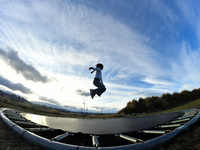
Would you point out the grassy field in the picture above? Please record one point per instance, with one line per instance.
(191, 105)
(188, 141)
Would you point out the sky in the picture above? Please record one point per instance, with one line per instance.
(147, 47)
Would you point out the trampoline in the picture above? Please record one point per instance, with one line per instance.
(102, 126)
(139, 133)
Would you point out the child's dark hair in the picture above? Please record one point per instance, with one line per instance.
(99, 65)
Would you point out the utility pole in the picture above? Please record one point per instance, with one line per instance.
(84, 101)
(97, 109)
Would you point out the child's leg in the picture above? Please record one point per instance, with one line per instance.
(101, 88)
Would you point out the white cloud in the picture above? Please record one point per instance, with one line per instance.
(146, 93)
(156, 80)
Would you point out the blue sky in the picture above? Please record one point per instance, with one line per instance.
(148, 48)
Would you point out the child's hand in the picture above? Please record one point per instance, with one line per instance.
(90, 68)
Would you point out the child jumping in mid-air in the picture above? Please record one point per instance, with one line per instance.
(98, 82)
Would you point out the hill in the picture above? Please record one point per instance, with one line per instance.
(14, 97)
(154, 103)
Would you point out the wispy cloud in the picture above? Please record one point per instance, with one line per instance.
(15, 86)
(147, 93)
(88, 37)
(82, 92)
(49, 100)
(156, 80)
(12, 58)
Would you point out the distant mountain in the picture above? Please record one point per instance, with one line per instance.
(62, 108)
(47, 105)
(73, 109)
(14, 97)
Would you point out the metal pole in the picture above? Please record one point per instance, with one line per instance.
(169, 126)
(153, 131)
(60, 137)
(183, 120)
(132, 139)
(95, 141)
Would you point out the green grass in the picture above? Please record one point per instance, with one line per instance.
(191, 105)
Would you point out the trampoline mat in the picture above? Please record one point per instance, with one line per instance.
(102, 126)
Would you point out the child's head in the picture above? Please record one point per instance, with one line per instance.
(100, 66)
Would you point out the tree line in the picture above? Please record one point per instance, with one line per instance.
(154, 103)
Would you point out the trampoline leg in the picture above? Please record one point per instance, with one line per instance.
(95, 141)
(132, 139)
(60, 137)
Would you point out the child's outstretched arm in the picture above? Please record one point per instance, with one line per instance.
(92, 69)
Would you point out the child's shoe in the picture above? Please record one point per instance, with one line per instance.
(92, 93)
